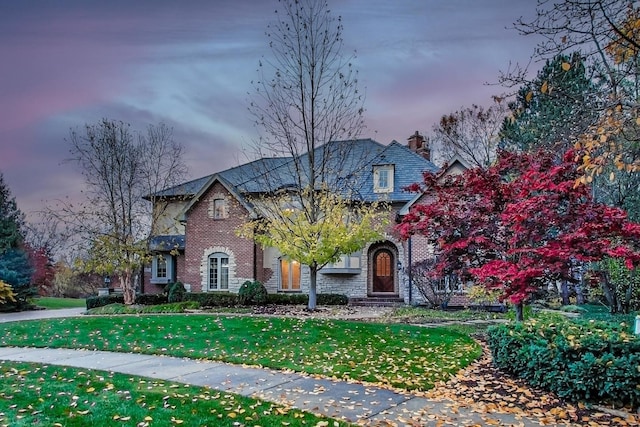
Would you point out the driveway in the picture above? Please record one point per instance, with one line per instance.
(41, 314)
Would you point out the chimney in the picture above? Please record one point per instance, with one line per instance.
(419, 145)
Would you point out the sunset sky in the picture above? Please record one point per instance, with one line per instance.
(190, 63)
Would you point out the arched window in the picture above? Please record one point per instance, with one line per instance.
(289, 275)
(218, 271)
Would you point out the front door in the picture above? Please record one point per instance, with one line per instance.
(383, 271)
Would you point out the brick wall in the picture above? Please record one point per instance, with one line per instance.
(205, 235)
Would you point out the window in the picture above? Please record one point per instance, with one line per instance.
(383, 179)
(383, 264)
(347, 264)
(218, 272)
(289, 275)
(218, 207)
(162, 268)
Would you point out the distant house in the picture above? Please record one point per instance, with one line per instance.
(194, 239)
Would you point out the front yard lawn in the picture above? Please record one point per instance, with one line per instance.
(403, 356)
(53, 303)
(39, 395)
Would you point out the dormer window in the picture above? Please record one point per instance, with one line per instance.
(383, 179)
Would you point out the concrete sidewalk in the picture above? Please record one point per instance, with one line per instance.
(357, 403)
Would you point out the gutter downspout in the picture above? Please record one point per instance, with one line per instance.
(410, 272)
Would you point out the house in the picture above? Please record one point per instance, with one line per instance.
(194, 238)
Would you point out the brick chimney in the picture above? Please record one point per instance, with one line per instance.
(419, 145)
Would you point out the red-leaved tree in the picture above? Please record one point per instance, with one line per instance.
(518, 225)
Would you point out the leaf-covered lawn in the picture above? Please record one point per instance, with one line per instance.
(404, 356)
(38, 395)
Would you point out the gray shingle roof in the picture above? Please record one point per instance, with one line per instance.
(354, 161)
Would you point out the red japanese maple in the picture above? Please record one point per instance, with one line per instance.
(518, 224)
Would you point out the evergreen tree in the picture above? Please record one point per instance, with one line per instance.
(11, 219)
(16, 270)
(551, 111)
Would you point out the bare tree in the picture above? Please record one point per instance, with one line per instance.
(120, 167)
(309, 111)
(472, 133)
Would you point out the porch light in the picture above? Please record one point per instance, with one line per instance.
(638, 325)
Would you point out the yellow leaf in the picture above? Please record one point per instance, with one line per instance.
(148, 418)
(566, 66)
(638, 120)
(529, 97)
(612, 176)
(544, 87)
(231, 414)
(91, 390)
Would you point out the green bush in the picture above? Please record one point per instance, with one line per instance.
(176, 292)
(102, 300)
(213, 299)
(252, 293)
(578, 360)
(151, 299)
(297, 299)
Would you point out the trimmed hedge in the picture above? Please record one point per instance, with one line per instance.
(102, 300)
(577, 360)
(213, 299)
(295, 299)
(217, 299)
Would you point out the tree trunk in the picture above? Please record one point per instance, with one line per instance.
(127, 288)
(609, 293)
(565, 292)
(313, 274)
(580, 300)
(519, 312)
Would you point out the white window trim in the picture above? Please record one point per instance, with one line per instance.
(376, 178)
(168, 258)
(218, 285)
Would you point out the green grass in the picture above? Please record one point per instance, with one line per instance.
(39, 395)
(404, 356)
(601, 312)
(57, 303)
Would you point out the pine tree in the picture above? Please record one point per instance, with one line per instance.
(11, 219)
(551, 111)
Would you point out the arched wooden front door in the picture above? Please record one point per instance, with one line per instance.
(383, 271)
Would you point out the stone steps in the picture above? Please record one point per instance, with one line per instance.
(376, 302)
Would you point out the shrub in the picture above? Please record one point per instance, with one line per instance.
(102, 300)
(286, 299)
(151, 299)
(332, 299)
(578, 360)
(213, 299)
(6, 293)
(252, 293)
(295, 299)
(176, 292)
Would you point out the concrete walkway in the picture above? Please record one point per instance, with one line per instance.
(357, 403)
